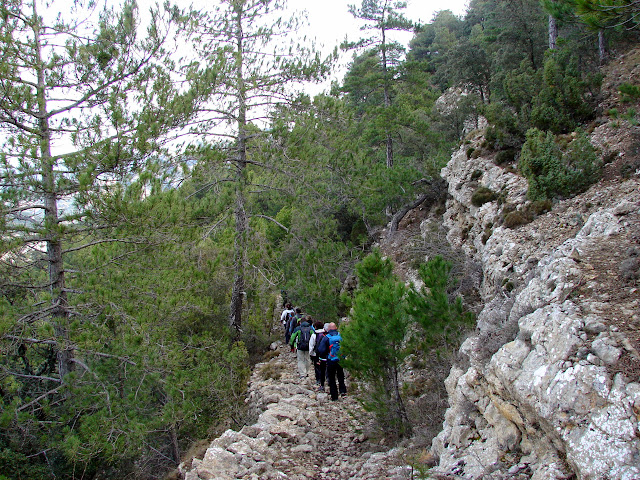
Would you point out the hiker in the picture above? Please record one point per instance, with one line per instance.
(318, 350)
(292, 323)
(333, 363)
(300, 341)
(284, 318)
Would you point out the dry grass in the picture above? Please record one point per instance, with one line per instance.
(270, 355)
(272, 371)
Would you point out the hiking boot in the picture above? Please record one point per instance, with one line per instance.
(344, 394)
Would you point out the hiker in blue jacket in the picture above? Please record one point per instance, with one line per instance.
(300, 339)
(334, 369)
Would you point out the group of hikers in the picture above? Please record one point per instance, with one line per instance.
(317, 344)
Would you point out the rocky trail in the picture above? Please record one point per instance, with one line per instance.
(299, 434)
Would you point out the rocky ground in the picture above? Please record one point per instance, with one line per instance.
(299, 434)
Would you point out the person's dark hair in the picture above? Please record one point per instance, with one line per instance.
(318, 326)
(298, 310)
(288, 305)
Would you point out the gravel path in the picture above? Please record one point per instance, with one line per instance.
(298, 434)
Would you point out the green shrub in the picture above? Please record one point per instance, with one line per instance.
(359, 234)
(555, 172)
(631, 116)
(482, 195)
(629, 92)
(373, 342)
(506, 130)
(442, 319)
(476, 174)
(567, 96)
(505, 156)
(557, 97)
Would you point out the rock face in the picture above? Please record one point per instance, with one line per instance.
(299, 434)
(551, 389)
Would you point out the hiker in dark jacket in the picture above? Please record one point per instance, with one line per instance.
(300, 339)
(318, 350)
(334, 369)
(292, 324)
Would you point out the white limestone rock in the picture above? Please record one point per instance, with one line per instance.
(538, 393)
(218, 464)
(605, 348)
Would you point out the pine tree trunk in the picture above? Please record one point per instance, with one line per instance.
(387, 99)
(401, 411)
(240, 160)
(553, 33)
(175, 446)
(59, 301)
(602, 47)
(237, 292)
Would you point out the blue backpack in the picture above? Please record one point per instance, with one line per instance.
(334, 347)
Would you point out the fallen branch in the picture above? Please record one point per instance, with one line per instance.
(436, 191)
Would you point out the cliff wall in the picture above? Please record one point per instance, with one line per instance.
(551, 386)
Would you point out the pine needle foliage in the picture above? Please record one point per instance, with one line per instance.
(553, 171)
(374, 342)
(385, 315)
(440, 317)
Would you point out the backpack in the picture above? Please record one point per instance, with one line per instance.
(303, 339)
(334, 347)
(322, 345)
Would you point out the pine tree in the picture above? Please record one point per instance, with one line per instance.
(382, 17)
(440, 317)
(86, 106)
(374, 342)
(255, 72)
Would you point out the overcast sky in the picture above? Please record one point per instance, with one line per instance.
(330, 21)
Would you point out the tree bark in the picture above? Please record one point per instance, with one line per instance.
(387, 97)
(602, 47)
(401, 411)
(399, 215)
(553, 33)
(237, 292)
